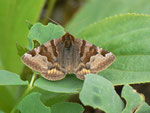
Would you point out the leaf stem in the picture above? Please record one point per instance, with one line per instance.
(28, 89)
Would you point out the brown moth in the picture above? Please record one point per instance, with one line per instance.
(67, 54)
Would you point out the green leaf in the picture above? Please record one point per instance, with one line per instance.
(9, 78)
(68, 85)
(53, 98)
(133, 99)
(43, 33)
(32, 104)
(50, 98)
(67, 107)
(14, 29)
(128, 37)
(99, 93)
(144, 108)
(96, 10)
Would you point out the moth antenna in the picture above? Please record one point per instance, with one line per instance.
(53, 21)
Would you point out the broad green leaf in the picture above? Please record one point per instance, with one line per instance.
(13, 29)
(95, 10)
(144, 108)
(67, 107)
(132, 98)
(43, 33)
(9, 78)
(99, 93)
(32, 104)
(68, 85)
(128, 37)
(50, 98)
(53, 98)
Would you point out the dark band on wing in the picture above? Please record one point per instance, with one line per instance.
(104, 52)
(82, 48)
(44, 52)
(32, 52)
(92, 51)
(53, 48)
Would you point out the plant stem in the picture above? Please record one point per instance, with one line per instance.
(51, 4)
(28, 89)
(32, 80)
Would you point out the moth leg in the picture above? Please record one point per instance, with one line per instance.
(82, 71)
(54, 73)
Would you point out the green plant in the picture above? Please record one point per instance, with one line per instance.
(126, 35)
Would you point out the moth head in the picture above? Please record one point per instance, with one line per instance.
(68, 40)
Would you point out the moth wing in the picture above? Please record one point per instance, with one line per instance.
(44, 60)
(101, 61)
(93, 59)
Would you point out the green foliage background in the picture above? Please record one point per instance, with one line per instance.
(126, 35)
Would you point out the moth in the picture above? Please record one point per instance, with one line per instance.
(67, 55)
